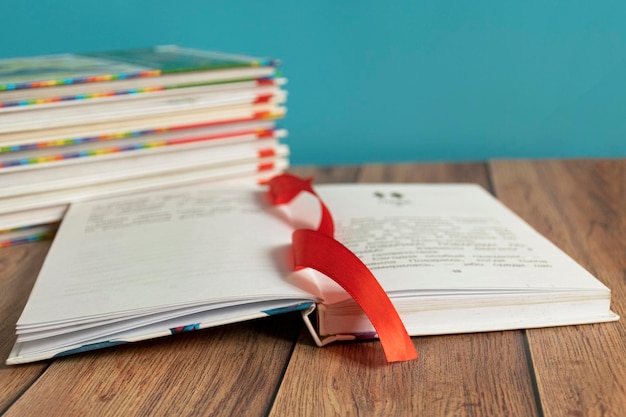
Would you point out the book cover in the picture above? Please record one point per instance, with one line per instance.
(32, 82)
(68, 69)
(27, 234)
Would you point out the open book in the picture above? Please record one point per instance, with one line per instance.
(450, 257)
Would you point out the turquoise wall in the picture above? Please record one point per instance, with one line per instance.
(389, 81)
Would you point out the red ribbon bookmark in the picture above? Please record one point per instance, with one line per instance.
(318, 249)
(285, 187)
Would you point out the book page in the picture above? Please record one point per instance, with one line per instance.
(428, 238)
(198, 245)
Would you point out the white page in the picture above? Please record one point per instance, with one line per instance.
(230, 114)
(181, 120)
(95, 112)
(163, 249)
(28, 204)
(423, 237)
(43, 349)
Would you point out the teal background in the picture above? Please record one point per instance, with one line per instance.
(389, 81)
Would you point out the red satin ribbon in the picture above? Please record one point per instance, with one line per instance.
(285, 187)
(319, 250)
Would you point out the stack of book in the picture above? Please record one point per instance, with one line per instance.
(84, 126)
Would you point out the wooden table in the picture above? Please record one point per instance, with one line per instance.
(270, 367)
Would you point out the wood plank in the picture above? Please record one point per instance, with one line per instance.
(328, 174)
(466, 172)
(581, 206)
(19, 266)
(225, 371)
(456, 375)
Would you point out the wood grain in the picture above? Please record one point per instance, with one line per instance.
(581, 206)
(19, 266)
(258, 368)
(225, 371)
(461, 375)
(329, 174)
(467, 172)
